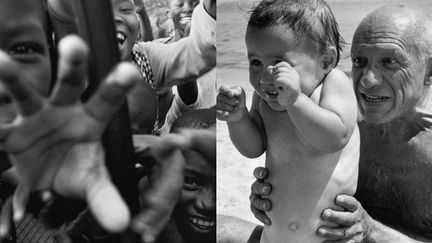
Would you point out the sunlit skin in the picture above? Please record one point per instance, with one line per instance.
(392, 77)
(196, 210)
(304, 110)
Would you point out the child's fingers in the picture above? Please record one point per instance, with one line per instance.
(5, 218)
(227, 100)
(19, 202)
(26, 96)
(222, 115)
(106, 203)
(225, 107)
(112, 93)
(230, 91)
(72, 71)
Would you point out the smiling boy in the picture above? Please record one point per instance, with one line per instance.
(303, 114)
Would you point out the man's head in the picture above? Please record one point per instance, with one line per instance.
(180, 12)
(391, 54)
(195, 213)
(303, 33)
(23, 37)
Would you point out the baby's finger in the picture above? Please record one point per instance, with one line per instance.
(6, 218)
(227, 100)
(228, 91)
(112, 93)
(19, 202)
(72, 71)
(222, 115)
(26, 96)
(220, 105)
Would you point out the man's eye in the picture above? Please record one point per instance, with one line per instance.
(390, 62)
(191, 184)
(359, 62)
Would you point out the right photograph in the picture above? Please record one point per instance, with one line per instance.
(324, 121)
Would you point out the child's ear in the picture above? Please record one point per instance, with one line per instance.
(428, 74)
(329, 58)
(168, 13)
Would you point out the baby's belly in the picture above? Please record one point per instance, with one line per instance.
(302, 190)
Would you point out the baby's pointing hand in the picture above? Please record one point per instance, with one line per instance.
(231, 103)
(287, 82)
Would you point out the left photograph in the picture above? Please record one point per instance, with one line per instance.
(107, 121)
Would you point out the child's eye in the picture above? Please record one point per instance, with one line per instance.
(191, 184)
(26, 51)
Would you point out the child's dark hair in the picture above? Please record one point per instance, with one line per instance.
(311, 17)
(197, 119)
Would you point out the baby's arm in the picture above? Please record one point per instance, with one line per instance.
(326, 126)
(244, 127)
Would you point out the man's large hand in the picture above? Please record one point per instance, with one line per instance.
(55, 143)
(259, 188)
(354, 220)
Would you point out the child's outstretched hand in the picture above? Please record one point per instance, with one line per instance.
(55, 143)
(287, 82)
(231, 104)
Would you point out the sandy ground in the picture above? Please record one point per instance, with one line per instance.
(234, 172)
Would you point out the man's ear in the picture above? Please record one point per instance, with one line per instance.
(329, 58)
(428, 74)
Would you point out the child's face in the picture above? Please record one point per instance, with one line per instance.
(270, 45)
(22, 37)
(195, 213)
(126, 24)
(181, 12)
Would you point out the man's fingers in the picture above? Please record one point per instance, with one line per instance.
(347, 202)
(259, 203)
(257, 208)
(107, 205)
(112, 93)
(331, 233)
(261, 188)
(6, 218)
(26, 96)
(19, 202)
(342, 218)
(260, 173)
(72, 71)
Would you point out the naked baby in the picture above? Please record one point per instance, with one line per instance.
(303, 114)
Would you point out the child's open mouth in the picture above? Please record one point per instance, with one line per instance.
(121, 39)
(204, 224)
(185, 19)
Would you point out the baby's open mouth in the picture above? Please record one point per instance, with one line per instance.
(374, 98)
(202, 223)
(121, 38)
(5, 100)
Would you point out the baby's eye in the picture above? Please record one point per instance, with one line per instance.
(191, 184)
(359, 62)
(26, 51)
(256, 63)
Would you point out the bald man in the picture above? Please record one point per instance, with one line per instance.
(392, 70)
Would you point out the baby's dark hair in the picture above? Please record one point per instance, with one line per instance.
(311, 17)
(197, 119)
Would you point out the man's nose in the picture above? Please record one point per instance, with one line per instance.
(370, 79)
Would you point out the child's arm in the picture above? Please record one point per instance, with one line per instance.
(244, 127)
(326, 126)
